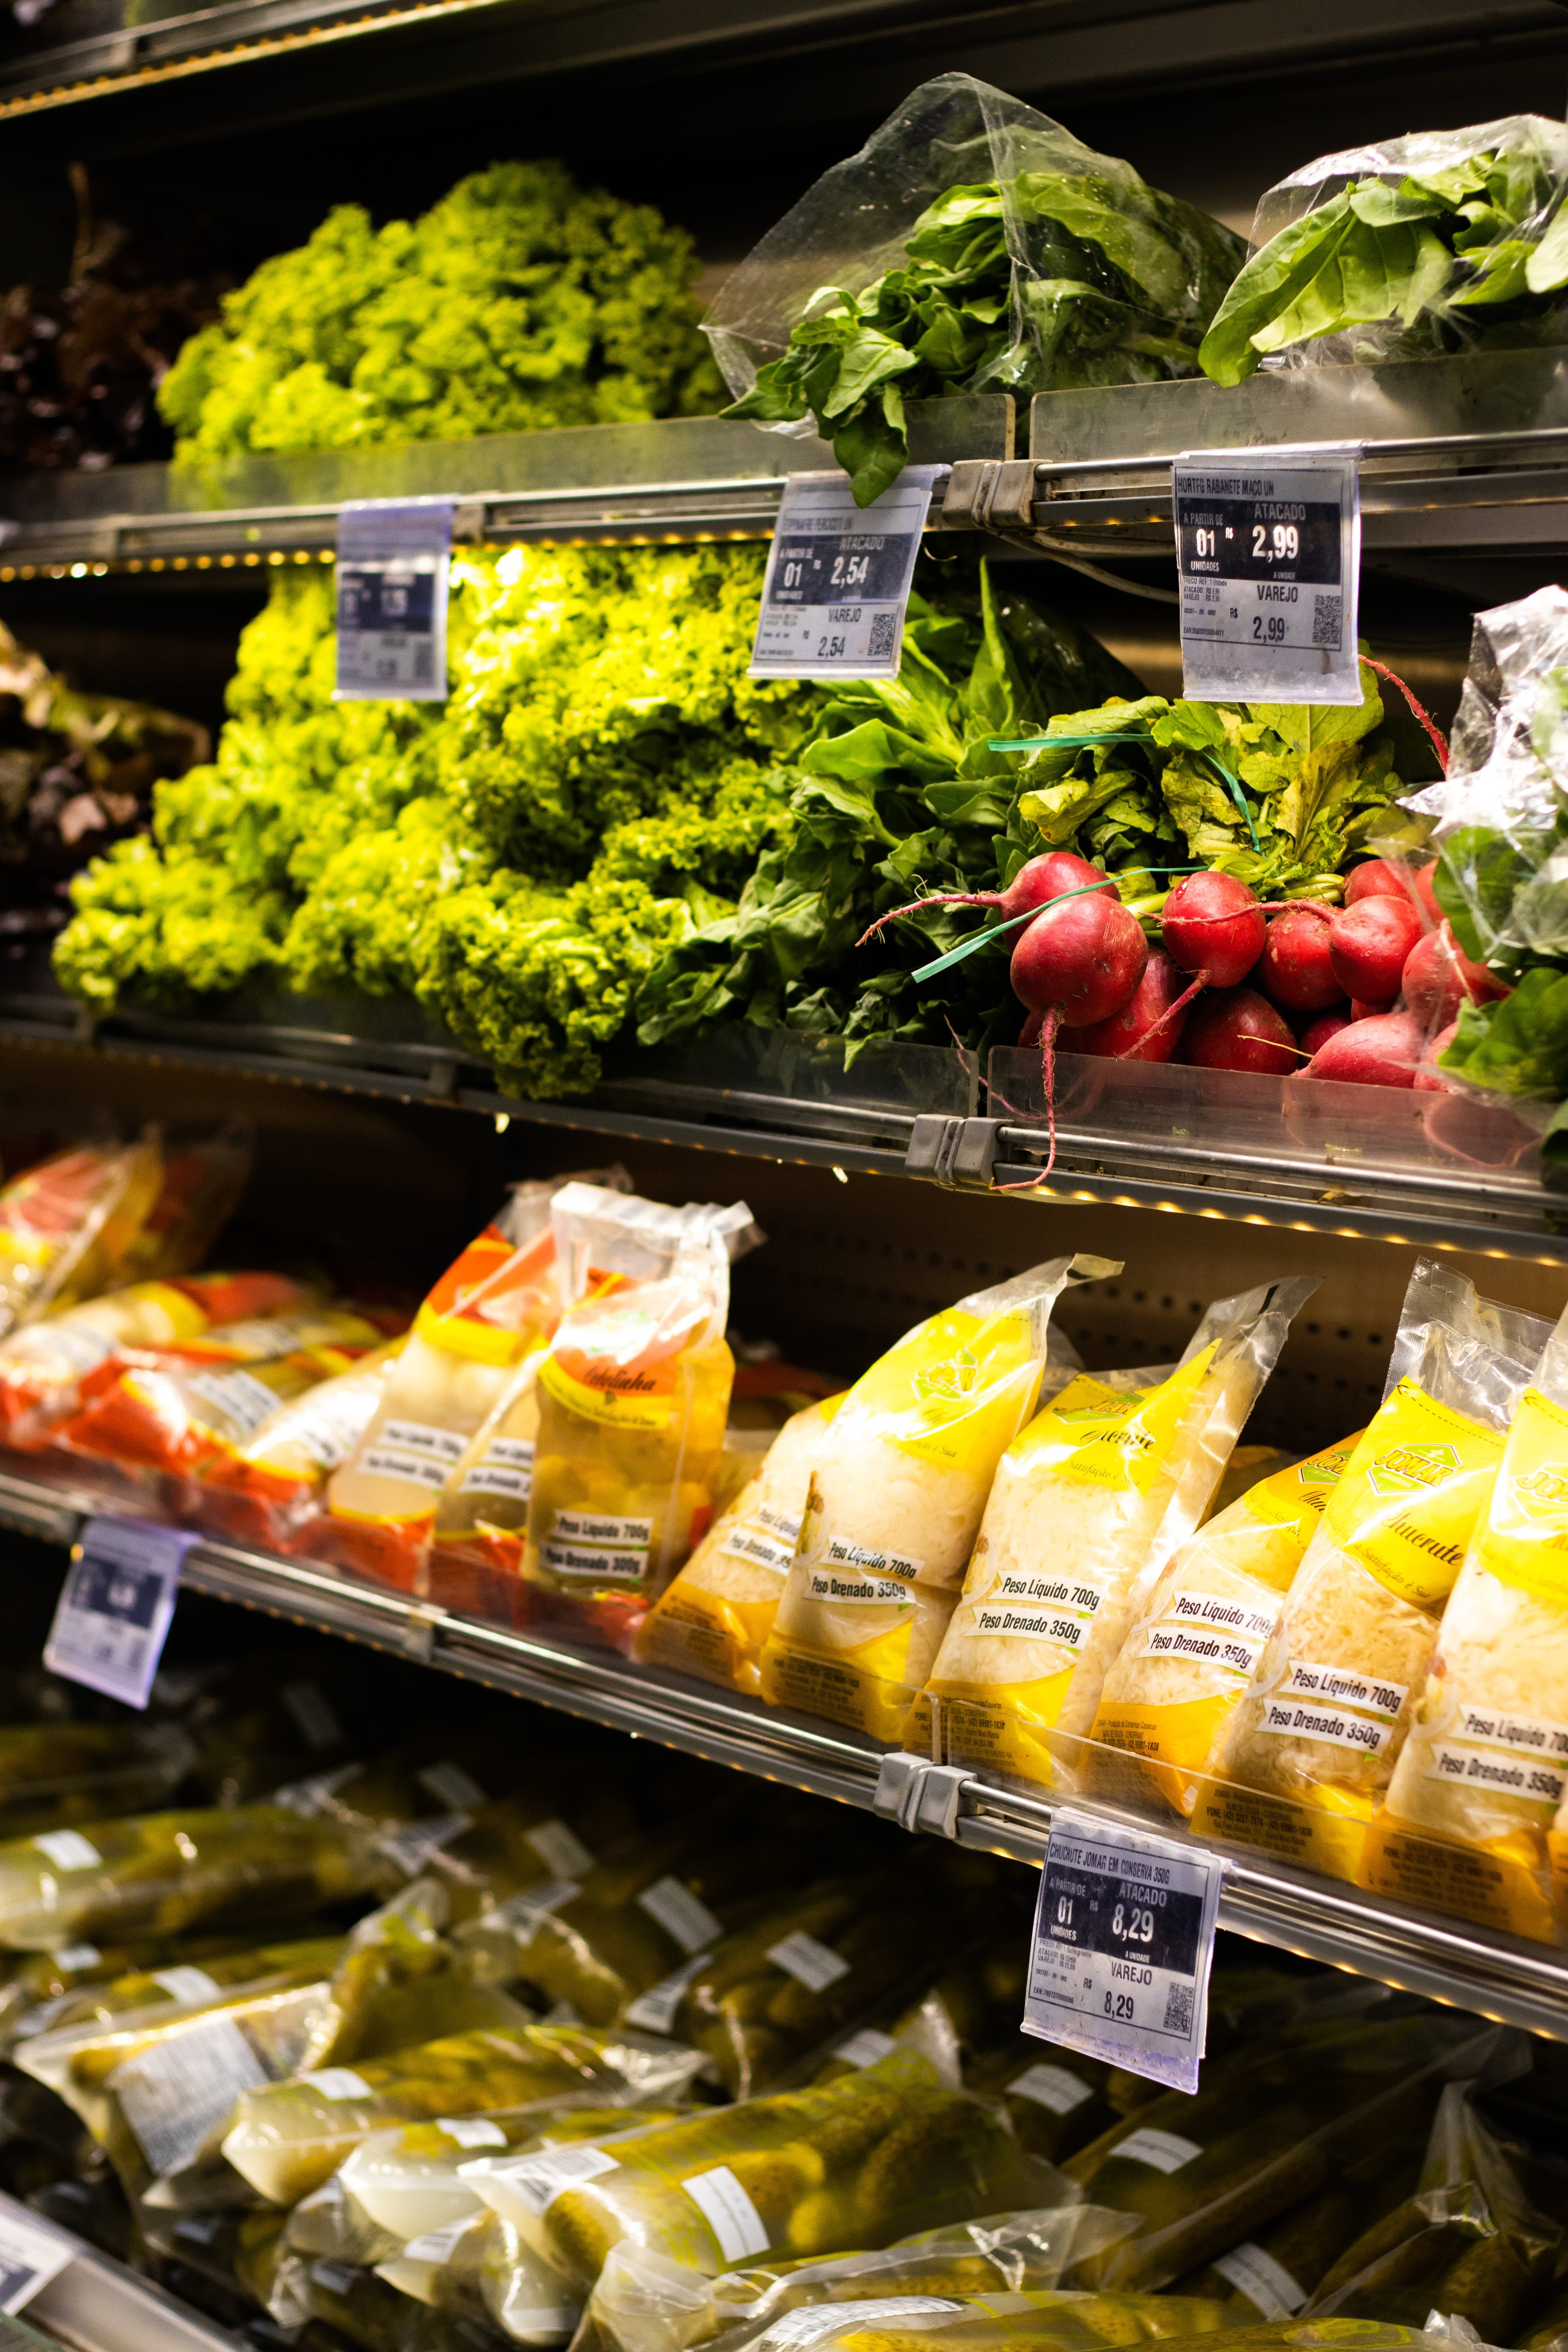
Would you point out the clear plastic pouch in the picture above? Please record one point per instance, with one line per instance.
(1088, 1504)
(1439, 241)
(54, 1774)
(972, 244)
(264, 1489)
(894, 1501)
(68, 1226)
(1337, 1682)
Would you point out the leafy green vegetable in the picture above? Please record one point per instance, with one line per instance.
(518, 302)
(1518, 1046)
(1474, 253)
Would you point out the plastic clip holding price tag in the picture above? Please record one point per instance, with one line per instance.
(394, 561)
(30, 2256)
(838, 577)
(1268, 551)
(115, 1607)
(1123, 1945)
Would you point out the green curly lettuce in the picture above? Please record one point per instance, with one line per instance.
(519, 301)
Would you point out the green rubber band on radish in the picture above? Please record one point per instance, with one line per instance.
(1058, 742)
(995, 930)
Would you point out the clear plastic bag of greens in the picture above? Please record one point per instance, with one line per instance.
(158, 1872)
(1439, 241)
(859, 2161)
(287, 2138)
(972, 244)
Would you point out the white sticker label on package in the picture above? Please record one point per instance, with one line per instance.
(1123, 1945)
(751, 1540)
(865, 2048)
(1512, 1776)
(1205, 1630)
(455, 1788)
(336, 2083)
(395, 1462)
(729, 2212)
(584, 1543)
(1338, 1687)
(338, 2278)
(870, 1561)
(1164, 2151)
(794, 2329)
(394, 561)
(1035, 1624)
(176, 2093)
(1266, 2283)
(810, 1963)
(539, 2180)
(240, 1396)
(838, 577)
(72, 1957)
(317, 1722)
(116, 1607)
(436, 2245)
(1268, 554)
(186, 1984)
(472, 2131)
(655, 2012)
(1297, 1719)
(1050, 2087)
(559, 1848)
(30, 2256)
(410, 1848)
(1521, 1735)
(857, 1592)
(505, 1468)
(538, 1901)
(680, 1914)
(67, 1850)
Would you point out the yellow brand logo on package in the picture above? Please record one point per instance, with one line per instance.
(955, 1390)
(1411, 1495)
(1110, 1437)
(611, 1408)
(1524, 1539)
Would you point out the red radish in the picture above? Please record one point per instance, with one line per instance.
(1429, 1079)
(1361, 1012)
(1213, 926)
(1039, 880)
(1294, 970)
(1368, 944)
(1319, 1032)
(1375, 879)
(1079, 961)
(1422, 876)
(1029, 1035)
(1147, 1029)
(1439, 976)
(1385, 1051)
(1237, 1029)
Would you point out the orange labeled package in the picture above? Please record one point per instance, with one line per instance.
(633, 1396)
(494, 1308)
(1321, 1727)
(69, 1226)
(266, 1489)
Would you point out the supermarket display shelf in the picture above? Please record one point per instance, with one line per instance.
(98, 2305)
(1268, 1901)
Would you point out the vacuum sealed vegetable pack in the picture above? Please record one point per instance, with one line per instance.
(894, 1504)
(1336, 1685)
(1088, 1505)
(264, 1489)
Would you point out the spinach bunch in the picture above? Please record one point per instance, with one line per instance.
(1476, 254)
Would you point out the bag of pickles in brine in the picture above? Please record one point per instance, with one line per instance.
(1320, 1729)
(715, 1617)
(1088, 1504)
(1187, 1663)
(894, 1501)
(634, 1393)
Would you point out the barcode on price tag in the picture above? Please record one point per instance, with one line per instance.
(394, 561)
(30, 2256)
(838, 578)
(1124, 1946)
(115, 1607)
(1269, 550)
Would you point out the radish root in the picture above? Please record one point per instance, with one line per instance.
(1049, 1062)
(1438, 741)
(919, 906)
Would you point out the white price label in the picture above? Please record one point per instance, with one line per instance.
(30, 2256)
(116, 1606)
(838, 578)
(1123, 1945)
(1269, 550)
(395, 559)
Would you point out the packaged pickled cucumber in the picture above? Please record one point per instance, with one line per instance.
(287, 2138)
(1274, 2274)
(52, 1774)
(1064, 2321)
(264, 1489)
(857, 2162)
(446, 2271)
(157, 1872)
(570, 1815)
(357, 2305)
(895, 1501)
(1485, 1766)
(42, 1365)
(1055, 2100)
(1088, 1507)
(1468, 2243)
(1190, 1655)
(492, 1308)
(634, 1393)
(69, 1226)
(269, 1718)
(1272, 2124)
(1326, 1714)
(969, 2008)
(236, 2251)
(715, 1617)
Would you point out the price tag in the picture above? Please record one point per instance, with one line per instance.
(394, 562)
(30, 2256)
(838, 578)
(115, 1606)
(1123, 1944)
(1269, 548)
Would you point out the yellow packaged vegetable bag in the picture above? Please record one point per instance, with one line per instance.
(1484, 1770)
(893, 1504)
(1186, 1664)
(634, 1393)
(1323, 1722)
(1088, 1507)
(720, 1609)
